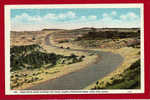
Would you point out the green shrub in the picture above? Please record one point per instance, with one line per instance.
(130, 79)
(30, 57)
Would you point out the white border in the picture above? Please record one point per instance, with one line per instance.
(25, 92)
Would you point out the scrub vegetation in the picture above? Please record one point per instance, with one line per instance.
(119, 41)
(32, 57)
(35, 61)
(129, 79)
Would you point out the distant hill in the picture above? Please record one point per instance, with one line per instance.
(26, 32)
(109, 29)
(51, 29)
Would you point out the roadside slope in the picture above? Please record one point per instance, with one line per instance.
(84, 77)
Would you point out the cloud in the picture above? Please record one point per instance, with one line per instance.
(124, 17)
(133, 15)
(105, 15)
(70, 20)
(124, 21)
(92, 17)
(50, 16)
(129, 16)
(86, 18)
(69, 14)
(114, 13)
(83, 18)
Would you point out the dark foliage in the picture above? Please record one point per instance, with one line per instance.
(30, 57)
(109, 35)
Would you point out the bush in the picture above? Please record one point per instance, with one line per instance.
(30, 57)
(130, 79)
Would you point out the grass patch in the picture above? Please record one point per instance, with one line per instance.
(129, 79)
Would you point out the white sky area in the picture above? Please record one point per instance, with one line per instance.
(72, 20)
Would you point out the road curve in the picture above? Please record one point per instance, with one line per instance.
(82, 78)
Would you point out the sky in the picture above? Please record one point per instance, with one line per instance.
(72, 18)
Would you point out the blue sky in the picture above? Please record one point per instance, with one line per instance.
(66, 18)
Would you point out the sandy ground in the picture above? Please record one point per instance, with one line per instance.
(129, 54)
(65, 45)
(57, 71)
(23, 38)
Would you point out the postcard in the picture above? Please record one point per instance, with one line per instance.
(74, 49)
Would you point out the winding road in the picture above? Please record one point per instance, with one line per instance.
(82, 78)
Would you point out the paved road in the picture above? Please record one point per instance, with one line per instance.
(80, 79)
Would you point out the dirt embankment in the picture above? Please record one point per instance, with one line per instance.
(54, 72)
(128, 48)
(130, 55)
